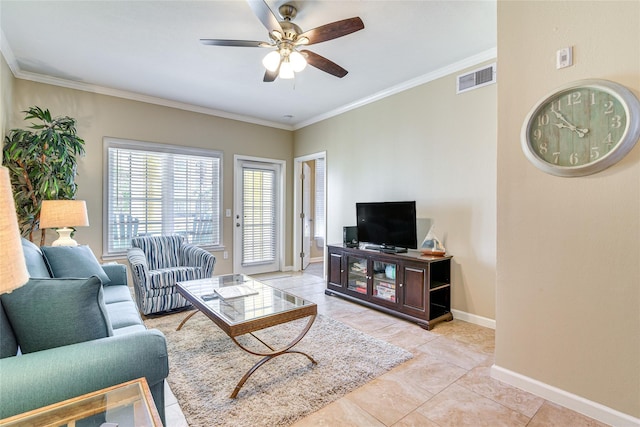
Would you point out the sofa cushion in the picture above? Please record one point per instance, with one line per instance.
(74, 261)
(8, 343)
(123, 314)
(117, 293)
(36, 265)
(48, 313)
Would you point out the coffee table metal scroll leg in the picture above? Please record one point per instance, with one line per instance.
(271, 355)
(187, 318)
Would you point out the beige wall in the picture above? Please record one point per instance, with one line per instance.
(99, 116)
(6, 97)
(425, 144)
(568, 311)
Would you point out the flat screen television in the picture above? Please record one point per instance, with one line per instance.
(389, 226)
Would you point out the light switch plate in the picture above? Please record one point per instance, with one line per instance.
(564, 57)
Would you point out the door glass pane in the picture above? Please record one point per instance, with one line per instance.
(357, 274)
(259, 209)
(319, 200)
(384, 281)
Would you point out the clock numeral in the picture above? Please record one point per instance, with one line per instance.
(543, 147)
(616, 121)
(595, 153)
(537, 134)
(608, 141)
(556, 157)
(556, 105)
(574, 158)
(543, 120)
(574, 98)
(608, 107)
(593, 98)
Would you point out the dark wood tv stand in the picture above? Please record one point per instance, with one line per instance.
(408, 285)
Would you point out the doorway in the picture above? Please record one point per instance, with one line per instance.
(258, 217)
(310, 212)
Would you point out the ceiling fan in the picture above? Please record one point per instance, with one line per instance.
(287, 38)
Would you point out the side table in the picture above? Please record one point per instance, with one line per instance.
(128, 404)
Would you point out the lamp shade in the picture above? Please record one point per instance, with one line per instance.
(63, 213)
(13, 269)
(286, 70)
(272, 61)
(298, 62)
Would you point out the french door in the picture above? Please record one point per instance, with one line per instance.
(257, 219)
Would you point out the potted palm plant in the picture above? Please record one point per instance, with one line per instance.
(42, 161)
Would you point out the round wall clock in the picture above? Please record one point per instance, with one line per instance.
(581, 128)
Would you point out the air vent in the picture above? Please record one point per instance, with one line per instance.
(477, 78)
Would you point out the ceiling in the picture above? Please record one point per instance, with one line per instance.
(150, 51)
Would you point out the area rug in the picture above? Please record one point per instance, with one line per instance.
(205, 366)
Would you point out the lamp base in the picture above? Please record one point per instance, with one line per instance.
(64, 237)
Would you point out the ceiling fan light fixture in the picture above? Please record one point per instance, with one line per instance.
(302, 40)
(276, 35)
(286, 37)
(298, 61)
(272, 60)
(286, 70)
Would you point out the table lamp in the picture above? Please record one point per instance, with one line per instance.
(13, 269)
(62, 215)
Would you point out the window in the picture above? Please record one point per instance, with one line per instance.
(319, 200)
(155, 189)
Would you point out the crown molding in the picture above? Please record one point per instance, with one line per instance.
(487, 55)
(133, 96)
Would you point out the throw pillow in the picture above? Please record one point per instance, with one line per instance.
(47, 313)
(74, 261)
(8, 343)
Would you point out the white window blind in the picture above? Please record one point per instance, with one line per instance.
(319, 200)
(155, 189)
(259, 209)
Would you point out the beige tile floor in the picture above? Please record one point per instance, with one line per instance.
(447, 383)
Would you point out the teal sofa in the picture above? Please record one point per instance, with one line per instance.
(64, 357)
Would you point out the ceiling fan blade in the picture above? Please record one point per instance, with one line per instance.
(270, 76)
(333, 30)
(322, 63)
(265, 15)
(235, 43)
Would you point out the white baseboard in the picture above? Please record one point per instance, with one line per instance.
(474, 318)
(574, 402)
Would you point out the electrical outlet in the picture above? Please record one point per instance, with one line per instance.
(227, 213)
(564, 57)
(225, 255)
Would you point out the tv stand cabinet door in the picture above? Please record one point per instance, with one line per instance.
(335, 274)
(415, 290)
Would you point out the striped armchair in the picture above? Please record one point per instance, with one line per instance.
(158, 263)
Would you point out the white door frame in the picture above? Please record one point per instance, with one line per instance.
(297, 206)
(237, 207)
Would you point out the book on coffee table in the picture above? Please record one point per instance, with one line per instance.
(230, 292)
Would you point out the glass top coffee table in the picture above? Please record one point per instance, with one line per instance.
(240, 305)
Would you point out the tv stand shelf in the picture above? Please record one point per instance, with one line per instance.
(408, 285)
